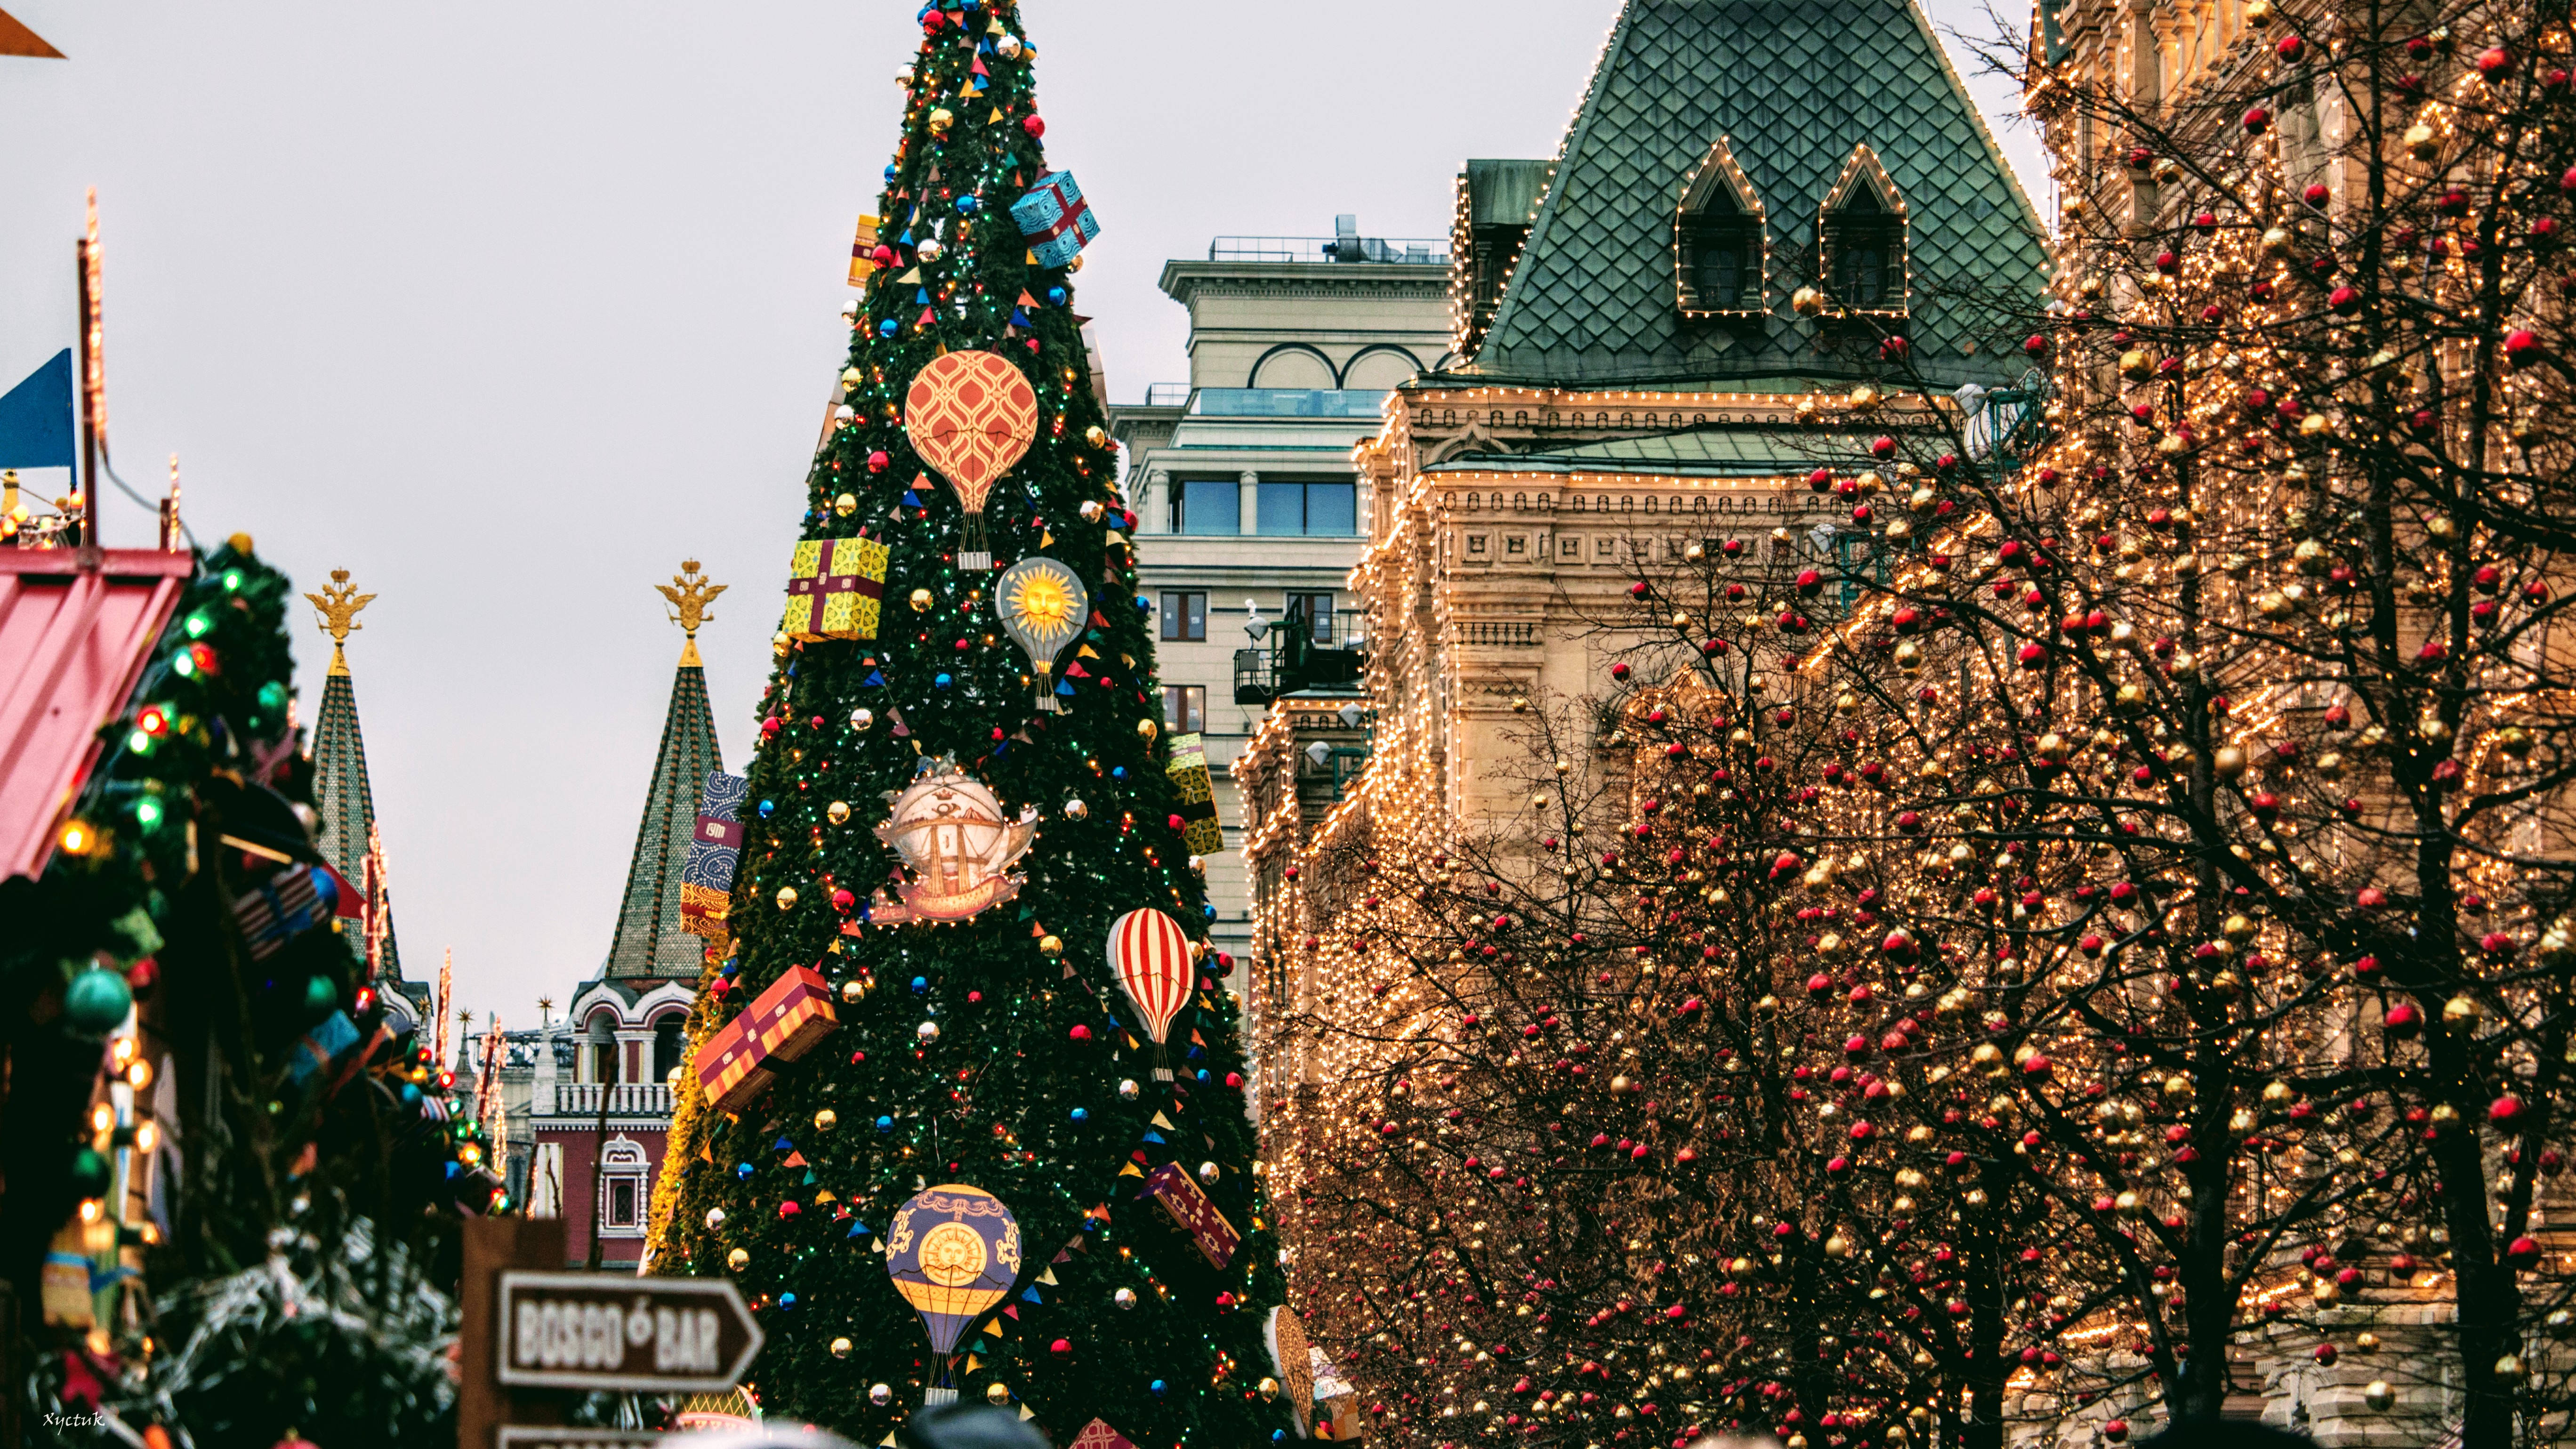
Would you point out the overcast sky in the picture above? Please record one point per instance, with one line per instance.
(509, 308)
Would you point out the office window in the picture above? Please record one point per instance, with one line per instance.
(1185, 617)
(1207, 506)
(1185, 708)
(1317, 609)
(1309, 508)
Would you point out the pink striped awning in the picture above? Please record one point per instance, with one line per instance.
(73, 642)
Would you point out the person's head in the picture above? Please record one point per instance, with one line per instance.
(2226, 1434)
(968, 1426)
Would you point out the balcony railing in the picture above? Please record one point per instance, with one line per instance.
(1414, 251)
(625, 1099)
(1478, 631)
(1287, 402)
(1166, 394)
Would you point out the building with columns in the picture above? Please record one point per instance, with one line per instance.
(1242, 480)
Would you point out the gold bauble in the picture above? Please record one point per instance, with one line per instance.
(2379, 1395)
(842, 1348)
(852, 991)
(1146, 729)
(997, 1394)
(839, 812)
(826, 1120)
(863, 719)
(787, 898)
(1269, 1389)
(1051, 945)
(846, 504)
(1095, 437)
(920, 601)
(738, 1259)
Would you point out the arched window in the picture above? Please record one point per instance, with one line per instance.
(1717, 239)
(604, 1056)
(670, 1044)
(1863, 230)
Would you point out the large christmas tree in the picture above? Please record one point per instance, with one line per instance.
(934, 714)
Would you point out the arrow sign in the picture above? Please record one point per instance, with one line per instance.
(604, 1331)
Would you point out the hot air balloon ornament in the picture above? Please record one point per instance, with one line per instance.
(959, 846)
(1151, 955)
(953, 1252)
(1043, 606)
(972, 415)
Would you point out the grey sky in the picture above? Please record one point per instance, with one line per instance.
(508, 308)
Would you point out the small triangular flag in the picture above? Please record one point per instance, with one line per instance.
(1131, 1170)
(1047, 1275)
(1163, 1122)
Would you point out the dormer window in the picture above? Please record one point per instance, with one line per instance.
(1862, 227)
(1718, 241)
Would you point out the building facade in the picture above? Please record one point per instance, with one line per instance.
(600, 1083)
(1657, 336)
(1243, 479)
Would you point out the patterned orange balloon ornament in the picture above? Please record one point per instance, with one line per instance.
(973, 415)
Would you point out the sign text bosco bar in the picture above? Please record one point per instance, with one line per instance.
(597, 1331)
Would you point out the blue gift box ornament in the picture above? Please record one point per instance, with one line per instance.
(320, 1047)
(1054, 219)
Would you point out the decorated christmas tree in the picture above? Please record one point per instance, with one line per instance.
(970, 1111)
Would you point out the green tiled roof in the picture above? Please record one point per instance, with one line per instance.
(1504, 193)
(1795, 87)
(1707, 452)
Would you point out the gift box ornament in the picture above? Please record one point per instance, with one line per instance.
(706, 878)
(1189, 772)
(738, 1063)
(320, 1047)
(834, 588)
(1192, 1213)
(1054, 219)
(295, 901)
(863, 252)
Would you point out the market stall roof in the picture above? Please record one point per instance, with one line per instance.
(74, 637)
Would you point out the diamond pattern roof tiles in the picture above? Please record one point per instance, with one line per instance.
(1795, 87)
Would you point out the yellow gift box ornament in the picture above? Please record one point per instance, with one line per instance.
(1189, 772)
(835, 588)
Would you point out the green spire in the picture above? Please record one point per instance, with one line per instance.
(342, 798)
(649, 940)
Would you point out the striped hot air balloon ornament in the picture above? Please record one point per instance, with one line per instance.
(1151, 955)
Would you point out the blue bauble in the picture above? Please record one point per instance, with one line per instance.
(787, 1302)
(742, 1172)
(97, 1001)
(768, 808)
(1159, 1387)
(885, 1124)
(966, 205)
(1118, 772)
(921, 986)
(1081, 1115)
(1210, 910)
(1203, 1076)
(888, 328)
(1056, 296)
(942, 681)
(410, 1094)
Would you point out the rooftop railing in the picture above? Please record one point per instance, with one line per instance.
(1414, 251)
(1287, 402)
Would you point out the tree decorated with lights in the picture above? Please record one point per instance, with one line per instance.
(967, 868)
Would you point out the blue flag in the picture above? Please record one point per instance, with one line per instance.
(36, 418)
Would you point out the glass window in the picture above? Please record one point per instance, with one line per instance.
(669, 1047)
(1283, 508)
(603, 1061)
(1185, 708)
(1210, 505)
(621, 1202)
(1317, 610)
(1332, 509)
(1185, 617)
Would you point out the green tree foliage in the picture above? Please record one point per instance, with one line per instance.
(997, 1052)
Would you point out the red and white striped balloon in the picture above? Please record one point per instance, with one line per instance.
(1152, 958)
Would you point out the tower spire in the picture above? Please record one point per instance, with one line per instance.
(650, 941)
(343, 798)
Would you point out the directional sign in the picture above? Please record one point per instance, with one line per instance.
(601, 1331)
(525, 1438)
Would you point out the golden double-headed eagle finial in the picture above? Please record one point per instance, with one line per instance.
(690, 593)
(339, 603)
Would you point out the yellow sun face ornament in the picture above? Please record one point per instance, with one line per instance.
(1044, 607)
